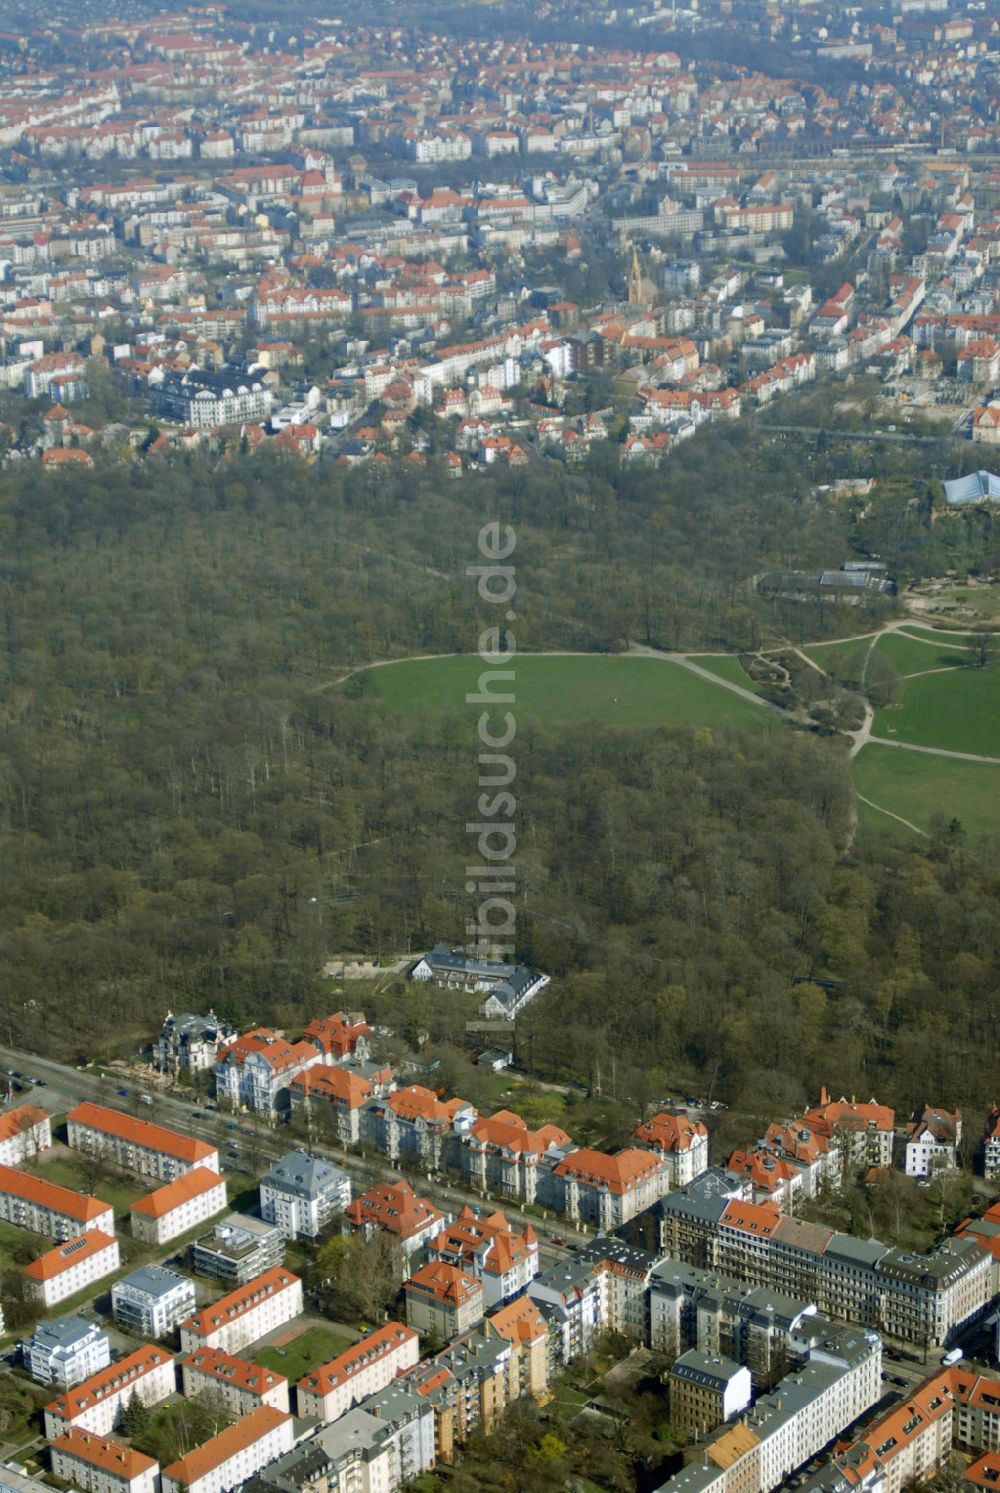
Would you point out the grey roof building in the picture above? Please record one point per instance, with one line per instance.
(238, 1249)
(151, 1301)
(301, 1193)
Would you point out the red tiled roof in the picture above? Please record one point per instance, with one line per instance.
(204, 1459)
(232, 1370)
(66, 1256)
(165, 1199)
(243, 1299)
(141, 1133)
(51, 1195)
(376, 1345)
(115, 1377)
(109, 1457)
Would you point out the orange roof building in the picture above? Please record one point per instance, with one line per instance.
(233, 1456)
(361, 1370)
(442, 1301)
(609, 1190)
(504, 1262)
(178, 1206)
(24, 1131)
(86, 1461)
(94, 1405)
(138, 1145)
(248, 1313)
(46, 1208)
(244, 1386)
(252, 1071)
(679, 1140)
(71, 1267)
(335, 1093)
(396, 1209)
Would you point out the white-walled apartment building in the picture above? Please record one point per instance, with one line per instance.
(243, 1386)
(69, 1268)
(301, 1193)
(256, 1069)
(94, 1405)
(682, 1144)
(361, 1370)
(178, 1206)
(248, 1313)
(137, 1145)
(46, 1208)
(234, 1456)
(100, 1466)
(24, 1132)
(65, 1351)
(487, 1248)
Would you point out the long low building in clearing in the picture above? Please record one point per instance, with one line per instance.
(138, 1145)
(46, 1208)
(248, 1313)
(244, 1386)
(234, 1456)
(61, 1272)
(98, 1465)
(328, 1392)
(94, 1405)
(178, 1206)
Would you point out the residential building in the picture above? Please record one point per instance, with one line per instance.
(371, 1449)
(178, 1206)
(97, 1465)
(256, 1070)
(629, 1272)
(190, 1043)
(989, 1146)
(238, 1249)
(486, 1247)
(396, 1209)
(66, 1351)
(151, 1301)
(705, 1391)
(300, 1194)
(246, 1314)
(231, 1458)
(413, 1123)
(500, 1154)
(521, 1323)
(331, 1099)
(63, 1272)
(96, 1404)
(24, 1132)
(204, 398)
(243, 1386)
(681, 1143)
(508, 987)
(932, 1140)
(46, 1208)
(864, 1133)
(340, 1036)
(572, 1297)
(137, 1145)
(609, 1190)
(442, 1301)
(361, 1370)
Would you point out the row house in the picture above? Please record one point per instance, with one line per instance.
(242, 1386)
(414, 1123)
(487, 1248)
(137, 1145)
(46, 1208)
(177, 1207)
(333, 1098)
(361, 1370)
(246, 1314)
(394, 1208)
(98, 1465)
(96, 1404)
(256, 1071)
(63, 1272)
(24, 1132)
(442, 1301)
(231, 1458)
(469, 1385)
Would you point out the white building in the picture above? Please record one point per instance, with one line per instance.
(46, 1208)
(932, 1140)
(301, 1193)
(138, 1145)
(372, 1449)
(246, 1314)
(681, 1142)
(98, 1465)
(255, 1071)
(190, 1042)
(242, 1385)
(66, 1351)
(151, 1301)
(234, 1456)
(24, 1131)
(361, 1370)
(178, 1206)
(96, 1404)
(72, 1267)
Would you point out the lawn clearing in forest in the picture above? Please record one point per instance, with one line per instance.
(567, 689)
(958, 710)
(917, 786)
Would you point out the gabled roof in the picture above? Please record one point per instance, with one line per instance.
(141, 1133)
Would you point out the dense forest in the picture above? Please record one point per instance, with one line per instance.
(197, 808)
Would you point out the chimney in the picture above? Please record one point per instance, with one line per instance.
(823, 1096)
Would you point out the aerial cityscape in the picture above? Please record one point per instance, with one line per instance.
(500, 747)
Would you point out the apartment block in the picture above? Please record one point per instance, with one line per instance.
(178, 1206)
(95, 1404)
(97, 1465)
(442, 1301)
(486, 1247)
(256, 1070)
(301, 1193)
(138, 1145)
(233, 1456)
(24, 1132)
(242, 1385)
(681, 1143)
(238, 1249)
(71, 1267)
(361, 1370)
(246, 1314)
(706, 1390)
(374, 1448)
(46, 1208)
(66, 1351)
(151, 1301)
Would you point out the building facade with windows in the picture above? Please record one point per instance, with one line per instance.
(137, 1145)
(151, 1301)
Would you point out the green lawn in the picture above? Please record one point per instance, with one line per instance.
(315, 1346)
(959, 711)
(912, 657)
(827, 654)
(610, 689)
(728, 666)
(917, 787)
(67, 1172)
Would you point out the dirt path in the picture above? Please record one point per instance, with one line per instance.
(912, 746)
(879, 809)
